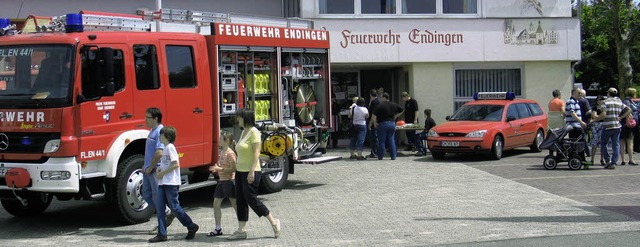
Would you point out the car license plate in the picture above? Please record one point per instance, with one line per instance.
(449, 144)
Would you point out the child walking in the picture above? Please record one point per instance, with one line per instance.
(168, 175)
(226, 169)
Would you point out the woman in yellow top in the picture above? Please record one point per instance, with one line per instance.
(248, 174)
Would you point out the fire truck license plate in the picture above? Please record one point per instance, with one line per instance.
(449, 144)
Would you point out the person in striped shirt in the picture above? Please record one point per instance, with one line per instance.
(615, 111)
(573, 118)
(573, 114)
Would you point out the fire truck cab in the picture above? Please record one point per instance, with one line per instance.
(73, 98)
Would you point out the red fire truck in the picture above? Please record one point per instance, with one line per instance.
(73, 98)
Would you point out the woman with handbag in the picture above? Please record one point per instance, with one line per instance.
(358, 115)
(628, 126)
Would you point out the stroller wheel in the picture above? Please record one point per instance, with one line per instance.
(550, 162)
(575, 162)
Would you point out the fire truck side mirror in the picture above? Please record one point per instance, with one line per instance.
(97, 73)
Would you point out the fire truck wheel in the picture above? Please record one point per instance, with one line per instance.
(127, 197)
(36, 204)
(274, 175)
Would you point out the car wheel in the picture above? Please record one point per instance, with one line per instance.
(575, 162)
(497, 148)
(535, 146)
(550, 162)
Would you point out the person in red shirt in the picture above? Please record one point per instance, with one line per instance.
(557, 104)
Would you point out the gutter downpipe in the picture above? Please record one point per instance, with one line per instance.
(159, 19)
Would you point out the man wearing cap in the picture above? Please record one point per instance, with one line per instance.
(615, 111)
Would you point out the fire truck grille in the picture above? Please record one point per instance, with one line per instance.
(26, 143)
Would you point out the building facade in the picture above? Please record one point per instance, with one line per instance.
(440, 51)
(443, 51)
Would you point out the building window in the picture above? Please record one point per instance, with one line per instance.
(470, 81)
(460, 6)
(180, 66)
(378, 6)
(418, 6)
(336, 7)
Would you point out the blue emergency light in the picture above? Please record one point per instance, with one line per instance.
(26, 141)
(4, 22)
(73, 23)
(494, 95)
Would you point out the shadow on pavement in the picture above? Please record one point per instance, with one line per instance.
(467, 158)
(631, 211)
(299, 185)
(541, 219)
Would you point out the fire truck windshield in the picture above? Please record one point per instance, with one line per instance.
(35, 76)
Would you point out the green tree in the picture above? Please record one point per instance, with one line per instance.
(609, 42)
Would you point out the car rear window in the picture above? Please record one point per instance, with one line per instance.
(535, 109)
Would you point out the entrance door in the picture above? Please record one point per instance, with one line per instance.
(184, 102)
(376, 79)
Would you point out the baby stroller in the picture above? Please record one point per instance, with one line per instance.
(563, 149)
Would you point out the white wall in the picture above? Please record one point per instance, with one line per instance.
(470, 40)
(541, 78)
(432, 84)
(21, 9)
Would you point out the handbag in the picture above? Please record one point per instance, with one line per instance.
(630, 122)
(351, 129)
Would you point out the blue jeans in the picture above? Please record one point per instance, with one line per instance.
(612, 135)
(373, 141)
(357, 142)
(168, 195)
(415, 140)
(149, 188)
(387, 133)
(420, 142)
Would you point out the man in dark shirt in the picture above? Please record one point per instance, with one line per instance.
(373, 137)
(428, 124)
(410, 117)
(585, 109)
(384, 120)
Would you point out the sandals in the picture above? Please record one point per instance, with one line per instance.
(216, 232)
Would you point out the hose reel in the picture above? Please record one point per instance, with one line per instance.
(305, 103)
